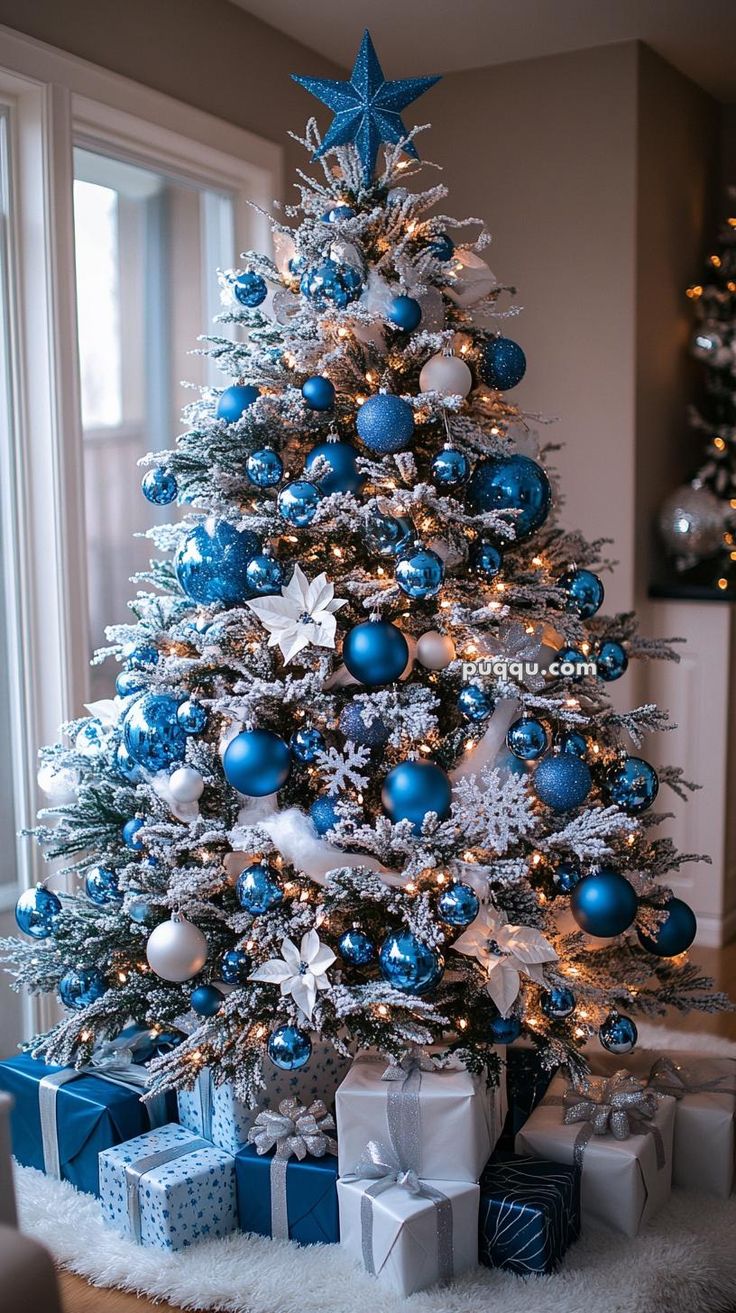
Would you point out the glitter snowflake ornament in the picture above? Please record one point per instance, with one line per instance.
(302, 615)
(301, 972)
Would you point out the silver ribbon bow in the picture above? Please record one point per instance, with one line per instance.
(381, 1165)
(619, 1106)
(667, 1077)
(294, 1131)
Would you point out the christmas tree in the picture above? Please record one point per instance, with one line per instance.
(361, 779)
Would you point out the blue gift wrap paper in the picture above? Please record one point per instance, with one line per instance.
(529, 1214)
(311, 1196)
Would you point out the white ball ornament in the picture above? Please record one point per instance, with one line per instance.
(469, 279)
(435, 651)
(186, 784)
(176, 949)
(58, 783)
(446, 374)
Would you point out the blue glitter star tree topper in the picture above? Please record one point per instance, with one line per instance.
(367, 107)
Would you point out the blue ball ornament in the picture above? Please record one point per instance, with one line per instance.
(129, 682)
(192, 716)
(511, 483)
(257, 762)
(264, 575)
(79, 989)
(485, 559)
(375, 652)
(385, 423)
(390, 535)
(611, 661)
(126, 765)
(442, 247)
(324, 813)
(574, 744)
(474, 703)
(151, 732)
(343, 474)
(504, 1030)
(675, 934)
(508, 764)
(604, 904)
(632, 784)
(318, 392)
(571, 664)
(584, 592)
(337, 213)
(101, 886)
(413, 789)
(234, 401)
(356, 948)
(373, 734)
(298, 503)
(562, 782)
(250, 289)
(289, 1048)
(458, 905)
(409, 965)
(140, 655)
(139, 910)
(235, 967)
(206, 1000)
(618, 1034)
(306, 745)
(158, 486)
(503, 364)
(450, 468)
(129, 832)
(527, 739)
(264, 468)
(557, 1003)
(36, 911)
(565, 877)
(258, 890)
(331, 284)
(420, 574)
(212, 560)
(404, 312)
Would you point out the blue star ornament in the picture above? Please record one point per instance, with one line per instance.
(367, 108)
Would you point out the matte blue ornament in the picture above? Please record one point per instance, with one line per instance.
(330, 283)
(409, 965)
(458, 905)
(413, 789)
(527, 739)
(442, 247)
(474, 703)
(503, 364)
(258, 890)
(404, 312)
(265, 468)
(562, 782)
(390, 535)
(511, 483)
(673, 936)
(126, 765)
(611, 661)
(373, 734)
(504, 1030)
(264, 574)
(571, 664)
(298, 503)
(566, 877)
(289, 1048)
(375, 652)
(356, 948)
(557, 1003)
(343, 475)
(257, 762)
(151, 732)
(337, 213)
(235, 967)
(632, 785)
(306, 745)
(158, 486)
(140, 655)
(420, 574)
(250, 289)
(129, 682)
(206, 1000)
(618, 1034)
(584, 590)
(129, 832)
(192, 716)
(234, 401)
(212, 560)
(485, 559)
(574, 744)
(450, 468)
(367, 107)
(36, 911)
(508, 764)
(604, 904)
(79, 989)
(101, 886)
(318, 392)
(385, 423)
(324, 813)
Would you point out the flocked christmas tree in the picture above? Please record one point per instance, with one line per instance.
(360, 779)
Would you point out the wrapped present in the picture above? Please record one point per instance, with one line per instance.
(620, 1134)
(527, 1082)
(443, 1121)
(286, 1176)
(62, 1117)
(168, 1189)
(529, 1213)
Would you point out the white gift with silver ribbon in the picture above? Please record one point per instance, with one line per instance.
(294, 1132)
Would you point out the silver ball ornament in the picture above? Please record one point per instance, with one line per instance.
(176, 949)
(692, 522)
(448, 375)
(435, 651)
(186, 784)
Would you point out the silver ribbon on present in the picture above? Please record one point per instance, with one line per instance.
(403, 1105)
(294, 1131)
(619, 1105)
(668, 1077)
(135, 1172)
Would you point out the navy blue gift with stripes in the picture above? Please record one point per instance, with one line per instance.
(529, 1214)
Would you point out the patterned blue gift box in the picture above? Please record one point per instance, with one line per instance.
(527, 1082)
(311, 1196)
(529, 1214)
(168, 1189)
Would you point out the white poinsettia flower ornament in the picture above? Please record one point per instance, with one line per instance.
(301, 972)
(302, 615)
(506, 952)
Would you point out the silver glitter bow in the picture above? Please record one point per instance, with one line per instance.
(620, 1106)
(411, 1061)
(668, 1077)
(116, 1058)
(294, 1131)
(380, 1165)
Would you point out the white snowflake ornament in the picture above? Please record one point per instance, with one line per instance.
(506, 952)
(302, 615)
(301, 972)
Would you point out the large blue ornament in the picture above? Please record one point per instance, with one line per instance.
(527, 739)
(562, 782)
(373, 734)
(632, 785)
(584, 590)
(158, 486)
(571, 664)
(306, 745)
(618, 1034)
(192, 716)
(79, 989)
(557, 1003)
(420, 573)
(356, 948)
(264, 575)
(390, 535)
(485, 558)
(264, 468)
(129, 682)
(385, 423)
(206, 1000)
(413, 789)
(673, 936)
(125, 764)
(474, 703)
(343, 475)
(375, 652)
(511, 483)
(101, 886)
(324, 813)
(250, 289)
(258, 890)
(233, 402)
(330, 283)
(566, 877)
(611, 661)
(298, 503)
(442, 247)
(458, 905)
(129, 833)
(504, 1030)
(409, 965)
(604, 904)
(212, 560)
(289, 1048)
(367, 107)
(36, 911)
(574, 744)
(450, 468)
(503, 364)
(235, 967)
(151, 732)
(318, 392)
(140, 655)
(257, 762)
(404, 312)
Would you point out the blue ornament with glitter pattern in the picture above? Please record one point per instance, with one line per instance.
(152, 734)
(503, 364)
(385, 423)
(158, 486)
(511, 483)
(562, 782)
(212, 560)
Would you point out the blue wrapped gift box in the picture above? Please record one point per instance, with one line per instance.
(529, 1213)
(527, 1082)
(311, 1196)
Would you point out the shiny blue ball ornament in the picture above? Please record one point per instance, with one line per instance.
(206, 1000)
(562, 782)
(571, 664)
(450, 468)
(565, 877)
(633, 785)
(126, 765)
(409, 965)
(192, 716)
(503, 364)
(611, 661)
(129, 682)
(140, 655)
(151, 732)
(584, 591)
(356, 948)
(318, 392)
(474, 703)
(604, 904)
(298, 503)
(36, 911)
(404, 312)
(504, 1030)
(557, 1003)
(337, 213)
(458, 905)
(264, 468)
(306, 745)
(331, 284)
(139, 910)
(413, 789)
(527, 739)
(250, 289)
(442, 247)
(375, 652)
(233, 402)
(390, 535)
(574, 744)
(675, 934)
(79, 989)
(420, 574)
(508, 764)
(511, 483)
(289, 1048)
(361, 731)
(101, 886)
(324, 813)
(618, 1034)
(485, 559)
(235, 967)
(385, 423)
(257, 762)
(129, 832)
(158, 486)
(343, 474)
(258, 890)
(264, 574)
(212, 560)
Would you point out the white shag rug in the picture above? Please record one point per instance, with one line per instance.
(683, 1262)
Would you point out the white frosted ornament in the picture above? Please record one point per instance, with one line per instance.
(446, 374)
(469, 279)
(176, 949)
(435, 651)
(186, 784)
(58, 783)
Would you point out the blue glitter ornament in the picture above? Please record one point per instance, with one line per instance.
(364, 733)
(557, 1003)
(235, 967)
(264, 468)
(257, 762)
(329, 283)
(413, 789)
(101, 886)
(211, 562)
(192, 716)
(604, 904)
(264, 575)
(611, 661)
(504, 1030)
(511, 483)
(566, 877)
(140, 655)
(36, 911)
(356, 948)
(324, 813)
(632, 784)
(390, 535)
(306, 745)
(129, 682)
(673, 936)
(562, 782)
(79, 989)
(527, 739)
(458, 905)
(250, 289)
(289, 1048)
(584, 591)
(318, 392)
(450, 468)
(385, 423)
(485, 559)
(298, 503)
(404, 312)
(234, 401)
(258, 890)
(571, 664)
(503, 364)
(343, 475)
(206, 1000)
(129, 832)
(420, 574)
(158, 486)
(151, 732)
(126, 765)
(442, 247)
(409, 965)
(337, 213)
(375, 652)
(474, 703)
(618, 1034)
(574, 744)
